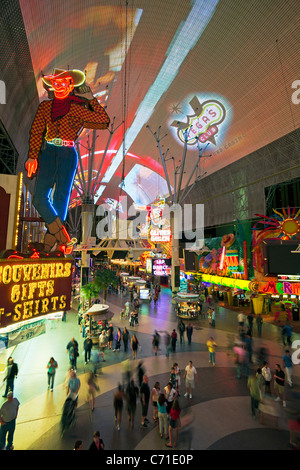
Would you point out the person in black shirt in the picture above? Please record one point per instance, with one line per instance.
(11, 374)
(279, 377)
(97, 443)
(145, 397)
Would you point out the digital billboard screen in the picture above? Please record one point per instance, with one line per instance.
(281, 257)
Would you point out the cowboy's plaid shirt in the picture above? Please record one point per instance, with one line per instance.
(67, 127)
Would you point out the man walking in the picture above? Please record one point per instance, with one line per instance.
(72, 350)
(189, 332)
(211, 345)
(145, 397)
(10, 375)
(8, 415)
(288, 365)
(190, 376)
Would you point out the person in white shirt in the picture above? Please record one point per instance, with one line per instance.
(266, 373)
(190, 376)
(8, 415)
(241, 320)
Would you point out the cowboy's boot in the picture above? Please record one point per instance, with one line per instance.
(58, 230)
(49, 243)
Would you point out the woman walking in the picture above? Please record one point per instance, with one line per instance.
(92, 389)
(118, 406)
(125, 338)
(51, 366)
(134, 346)
(118, 339)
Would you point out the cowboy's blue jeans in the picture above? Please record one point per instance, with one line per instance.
(57, 169)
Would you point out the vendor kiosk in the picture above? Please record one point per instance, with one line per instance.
(188, 306)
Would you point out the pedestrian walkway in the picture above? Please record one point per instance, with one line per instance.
(219, 412)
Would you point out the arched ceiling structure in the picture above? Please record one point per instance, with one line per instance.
(224, 67)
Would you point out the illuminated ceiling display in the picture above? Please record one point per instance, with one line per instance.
(217, 66)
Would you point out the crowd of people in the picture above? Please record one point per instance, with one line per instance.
(264, 381)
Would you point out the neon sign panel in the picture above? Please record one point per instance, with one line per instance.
(203, 124)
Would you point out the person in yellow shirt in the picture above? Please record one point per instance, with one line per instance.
(211, 344)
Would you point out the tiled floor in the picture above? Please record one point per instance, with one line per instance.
(219, 411)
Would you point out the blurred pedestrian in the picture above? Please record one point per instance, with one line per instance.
(250, 322)
(155, 342)
(241, 320)
(8, 415)
(103, 342)
(132, 393)
(140, 370)
(259, 323)
(10, 374)
(213, 318)
(189, 332)
(51, 369)
(87, 346)
(255, 393)
(92, 389)
(287, 334)
(177, 375)
(145, 397)
(288, 366)
(73, 384)
(181, 329)
(118, 406)
(167, 341)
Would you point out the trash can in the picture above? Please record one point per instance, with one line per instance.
(295, 313)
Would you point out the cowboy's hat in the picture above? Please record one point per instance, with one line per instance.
(77, 75)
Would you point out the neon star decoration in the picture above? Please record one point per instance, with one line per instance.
(286, 223)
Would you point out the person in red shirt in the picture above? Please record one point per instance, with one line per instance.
(174, 422)
(52, 155)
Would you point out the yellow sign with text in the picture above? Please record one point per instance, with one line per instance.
(32, 288)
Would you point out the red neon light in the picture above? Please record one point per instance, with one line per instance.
(62, 87)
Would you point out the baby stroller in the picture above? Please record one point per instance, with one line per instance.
(68, 413)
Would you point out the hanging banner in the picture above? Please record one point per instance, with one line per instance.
(26, 332)
(32, 288)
